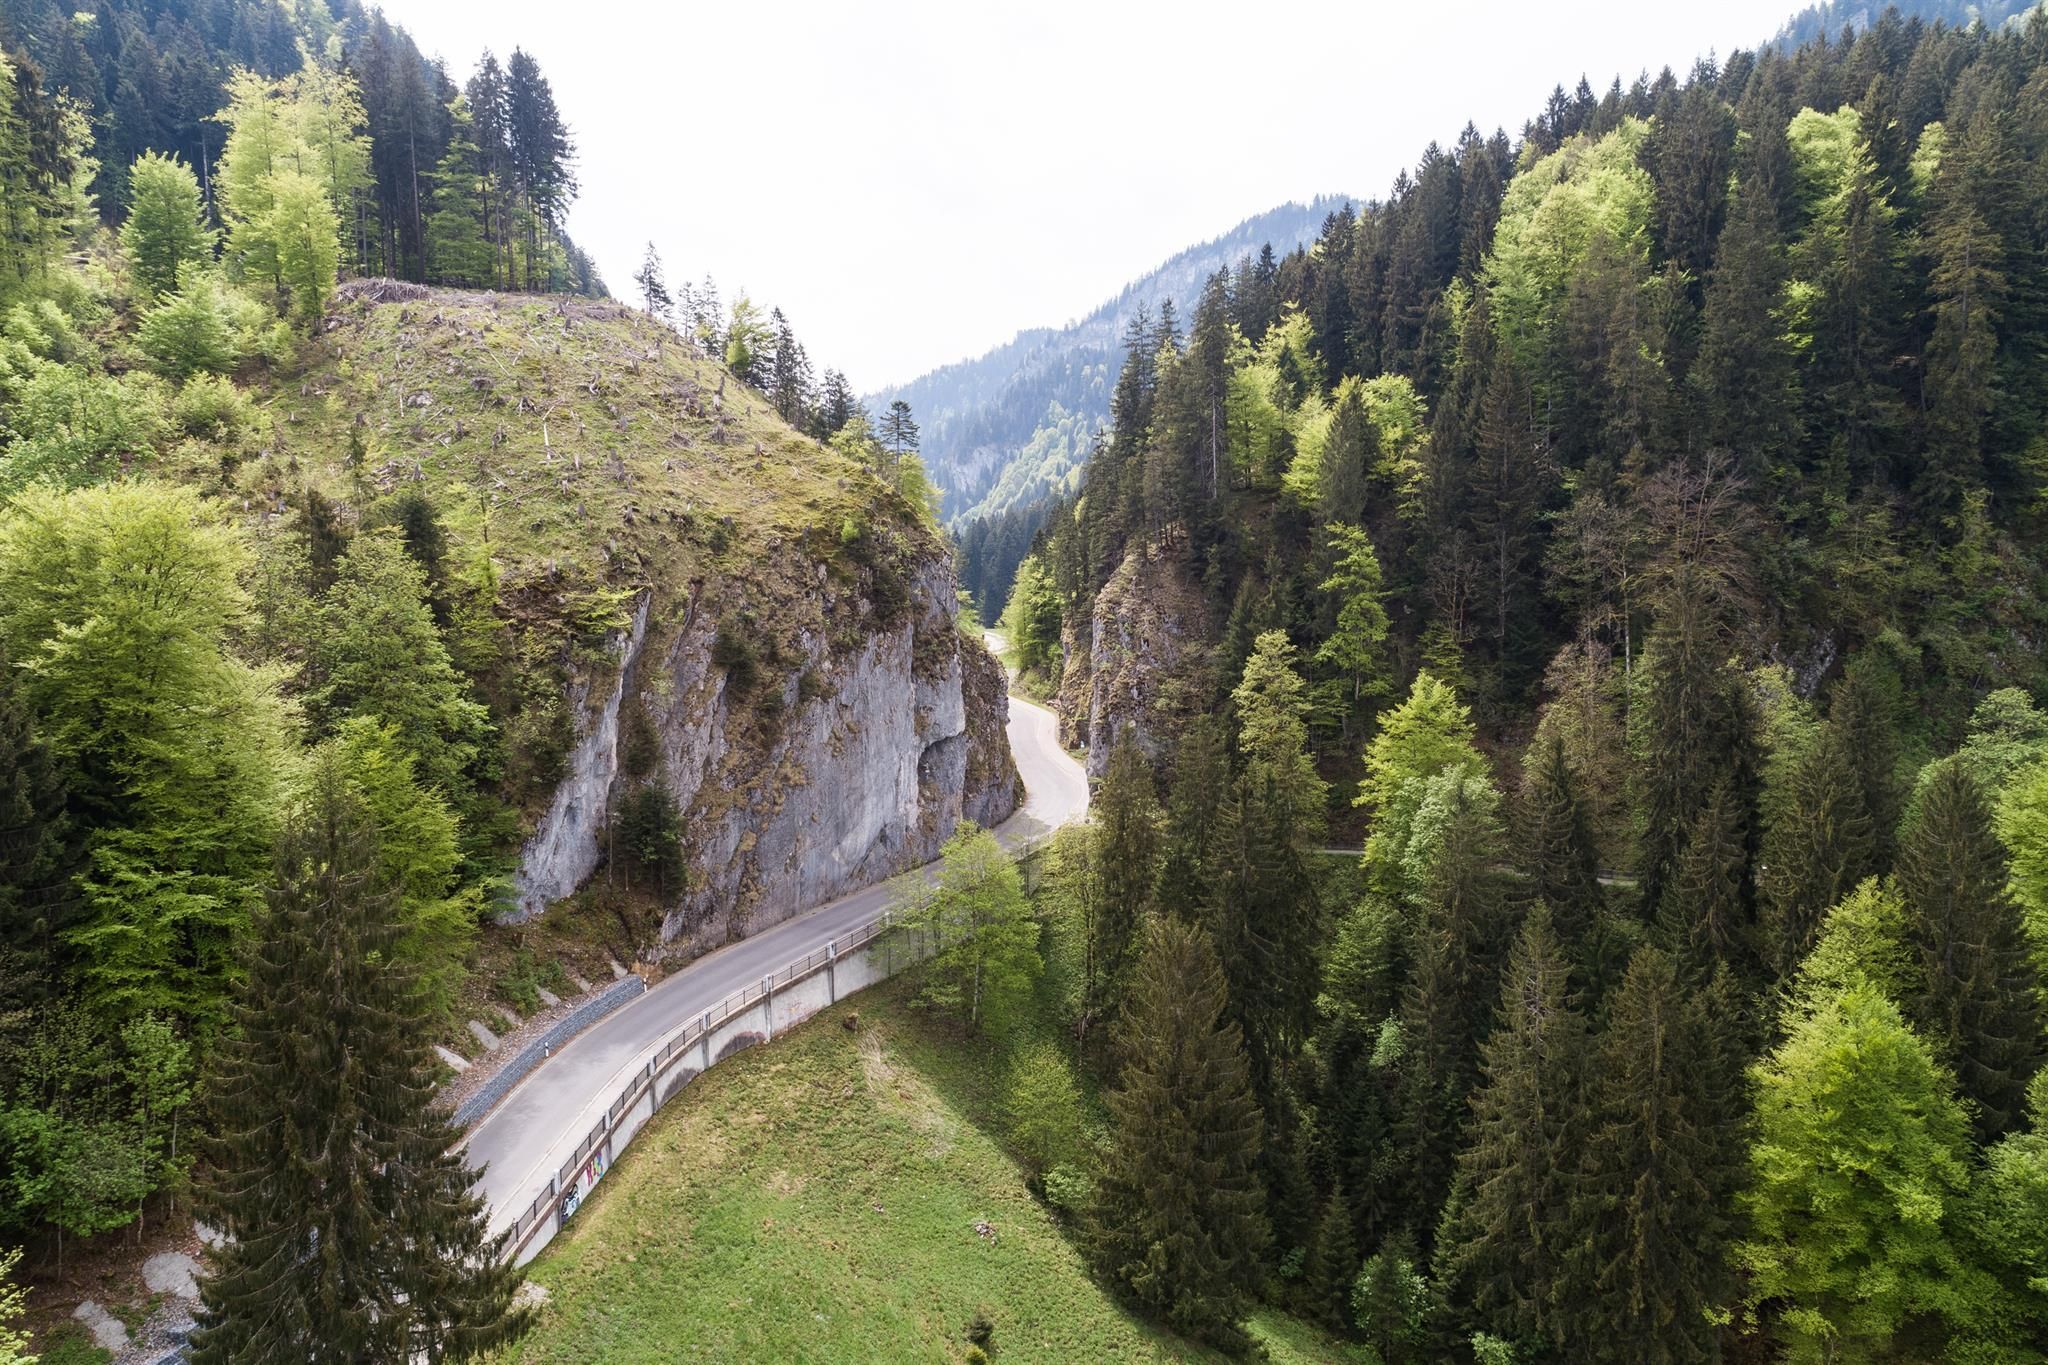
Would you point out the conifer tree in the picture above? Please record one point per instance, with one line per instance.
(1864, 711)
(1745, 374)
(1705, 917)
(1819, 846)
(38, 849)
(1329, 1270)
(1507, 1234)
(458, 246)
(1454, 973)
(1201, 769)
(1178, 1224)
(1127, 831)
(837, 404)
(1557, 845)
(653, 285)
(1980, 1005)
(352, 1231)
(1659, 1169)
(898, 433)
(1701, 730)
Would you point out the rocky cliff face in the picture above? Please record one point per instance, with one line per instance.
(850, 759)
(1141, 662)
(686, 595)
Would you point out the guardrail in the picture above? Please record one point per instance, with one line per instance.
(565, 1190)
(553, 1205)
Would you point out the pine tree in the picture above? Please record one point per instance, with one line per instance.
(1979, 1005)
(1659, 1169)
(352, 1231)
(1819, 846)
(1507, 1236)
(1178, 1224)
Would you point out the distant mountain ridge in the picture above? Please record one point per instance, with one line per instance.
(1835, 16)
(1008, 427)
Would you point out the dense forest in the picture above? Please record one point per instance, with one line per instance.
(461, 184)
(1625, 533)
(276, 708)
(1636, 521)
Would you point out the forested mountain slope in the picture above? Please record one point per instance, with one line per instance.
(1006, 429)
(1836, 16)
(437, 606)
(456, 182)
(1640, 524)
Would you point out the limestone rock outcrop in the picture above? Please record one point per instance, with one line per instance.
(1141, 662)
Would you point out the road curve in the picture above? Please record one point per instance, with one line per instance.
(536, 1128)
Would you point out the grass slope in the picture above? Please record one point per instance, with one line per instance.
(816, 1200)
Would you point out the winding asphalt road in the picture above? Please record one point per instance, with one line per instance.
(536, 1128)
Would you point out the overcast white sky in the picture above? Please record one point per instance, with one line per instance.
(913, 182)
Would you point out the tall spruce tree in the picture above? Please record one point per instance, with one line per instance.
(1201, 769)
(1178, 1224)
(1706, 918)
(1508, 1237)
(1980, 1004)
(1864, 710)
(1658, 1171)
(1454, 954)
(1557, 845)
(653, 285)
(352, 1229)
(1819, 846)
(1701, 730)
(1127, 832)
(38, 847)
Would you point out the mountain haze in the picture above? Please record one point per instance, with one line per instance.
(1006, 428)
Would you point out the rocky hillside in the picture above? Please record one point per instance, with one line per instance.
(1141, 661)
(729, 612)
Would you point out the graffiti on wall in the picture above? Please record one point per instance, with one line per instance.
(585, 1181)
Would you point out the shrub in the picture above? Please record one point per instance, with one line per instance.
(1043, 1105)
(210, 405)
(1071, 1190)
(192, 331)
(735, 654)
(71, 426)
